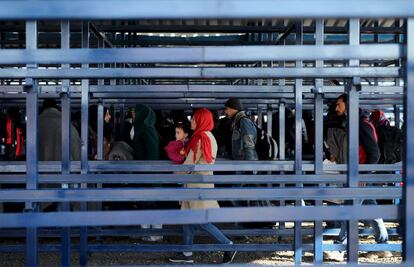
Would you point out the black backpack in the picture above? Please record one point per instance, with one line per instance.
(266, 147)
(390, 141)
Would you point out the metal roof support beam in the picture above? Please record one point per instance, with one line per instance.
(202, 54)
(201, 73)
(190, 9)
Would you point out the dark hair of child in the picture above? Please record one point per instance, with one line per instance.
(184, 126)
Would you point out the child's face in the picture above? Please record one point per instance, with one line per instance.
(180, 134)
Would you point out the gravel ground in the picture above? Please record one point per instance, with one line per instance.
(128, 259)
(120, 259)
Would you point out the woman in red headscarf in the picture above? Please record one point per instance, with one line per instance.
(201, 149)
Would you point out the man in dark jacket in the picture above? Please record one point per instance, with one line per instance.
(244, 134)
(369, 153)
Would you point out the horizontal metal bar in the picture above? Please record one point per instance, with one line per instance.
(214, 97)
(244, 96)
(106, 218)
(49, 40)
(194, 178)
(214, 101)
(247, 98)
(200, 54)
(193, 28)
(190, 9)
(365, 247)
(7, 102)
(157, 99)
(177, 231)
(166, 166)
(181, 194)
(134, 232)
(203, 73)
(208, 88)
(102, 248)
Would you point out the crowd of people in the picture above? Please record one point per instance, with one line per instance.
(149, 135)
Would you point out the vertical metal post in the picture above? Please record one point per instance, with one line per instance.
(272, 64)
(376, 41)
(282, 65)
(399, 40)
(269, 131)
(318, 110)
(100, 149)
(101, 44)
(114, 65)
(353, 139)
(259, 64)
(397, 116)
(259, 117)
(32, 161)
(83, 259)
(298, 142)
(100, 130)
(282, 146)
(398, 81)
(298, 107)
(66, 139)
(269, 121)
(408, 163)
(281, 130)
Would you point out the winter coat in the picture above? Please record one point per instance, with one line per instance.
(173, 151)
(368, 149)
(204, 204)
(146, 139)
(50, 137)
(244, 138)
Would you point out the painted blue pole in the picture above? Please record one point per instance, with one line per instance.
(32, 147)
(408, 200)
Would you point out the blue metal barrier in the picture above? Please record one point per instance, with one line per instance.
(269, 77)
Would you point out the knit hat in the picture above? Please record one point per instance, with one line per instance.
(234, 103)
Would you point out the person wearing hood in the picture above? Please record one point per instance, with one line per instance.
(50, 141)
(201, 149)
(390, 138)
(50, 137)
(146, 144)
(145, 137)
(378, 118)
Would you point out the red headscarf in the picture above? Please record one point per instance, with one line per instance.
(204, 120)
(378, 118)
